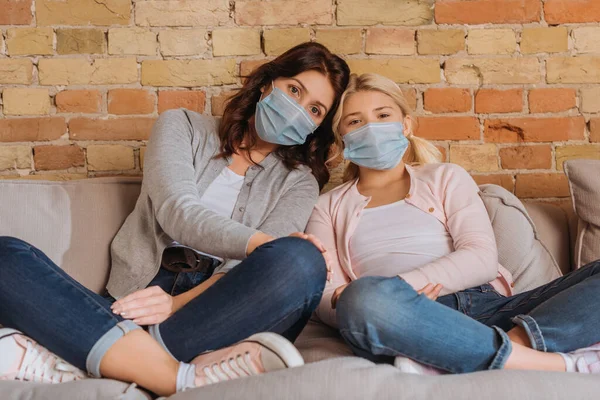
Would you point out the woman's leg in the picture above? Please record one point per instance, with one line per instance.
(386, 317)
(275, 289)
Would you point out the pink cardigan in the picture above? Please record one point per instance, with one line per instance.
(447, 192)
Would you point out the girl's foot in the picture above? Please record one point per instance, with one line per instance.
(409, 366)
(260, 353)
(586, 360)
(22, 359)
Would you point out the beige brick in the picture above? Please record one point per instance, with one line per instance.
(283, 12)
(236, 42)
(219, 102)
(12, 157)
(181, 12)
(448, 41)
(277, 41)
(386, 12)
(25, 41)
(341, 41)
(587, 39)
(405, 70)
(46, 177)
(79, 71)
(473, 71)
(544, 40)
(16, 71)
(182, 42)
(587, 151)
(584, 69)
(26, 101)
(142, 156)
(477, 157)
(2, 50)
(248, 66)
(82, 12)
(137, 41)
(590, 100)
(188, 72)
(110, 158)
(491, 41)
(391, 41)
(80, 41)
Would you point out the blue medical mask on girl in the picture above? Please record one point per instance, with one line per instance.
(279, 119)
(378, 146)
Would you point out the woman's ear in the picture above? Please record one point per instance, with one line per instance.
(408, 125)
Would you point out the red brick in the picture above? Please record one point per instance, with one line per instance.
(131, 101)
(32, 129)
(447, 100)
(110, 129)
(192, 100)
(444, 152)
(595, 130)
(570, 11)
(542, 185)
(487, 11)
(49, 158)
(218, 102)
(551, 100)
(15, 12)
(488, 101)
(504, 180)
(78, 101)
(448, 128)
(526, 157)
(513, 130)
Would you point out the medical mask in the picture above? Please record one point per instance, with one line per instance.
(378, 146)
(281, 120)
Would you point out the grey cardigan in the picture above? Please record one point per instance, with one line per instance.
(179, 166)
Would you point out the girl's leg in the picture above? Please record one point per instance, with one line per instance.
(386, 317)
(276, 289)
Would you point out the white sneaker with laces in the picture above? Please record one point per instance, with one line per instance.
(22, 359)
(586, 360)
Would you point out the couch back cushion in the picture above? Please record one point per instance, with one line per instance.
(72, 222)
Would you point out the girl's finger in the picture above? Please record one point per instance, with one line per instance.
(426, 289)
(140, 294)
(140, 303)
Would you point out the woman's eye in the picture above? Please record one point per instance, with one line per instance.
(315, 110)
(294, 90)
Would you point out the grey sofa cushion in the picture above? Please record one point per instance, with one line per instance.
(88, 389)
(520, 249)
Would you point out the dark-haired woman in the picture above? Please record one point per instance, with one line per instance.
(203, 259)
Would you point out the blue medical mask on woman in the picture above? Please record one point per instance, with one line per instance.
(281, 120)
(378, 146)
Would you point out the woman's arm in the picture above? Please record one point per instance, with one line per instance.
(169, 177)
(475, 257)
(321, 226)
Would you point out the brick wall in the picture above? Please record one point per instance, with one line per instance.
(509, 89)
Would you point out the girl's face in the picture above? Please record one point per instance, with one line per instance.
(365, 107)
(311, 89)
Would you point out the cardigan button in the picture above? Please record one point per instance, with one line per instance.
(431, 209)
(512, 285)
(408, 196)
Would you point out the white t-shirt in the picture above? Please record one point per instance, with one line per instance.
(221, 197)
(397, 238)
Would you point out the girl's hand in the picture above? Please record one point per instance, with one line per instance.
(431, 291)
(146, 307)
(337, 294)
(315, 240)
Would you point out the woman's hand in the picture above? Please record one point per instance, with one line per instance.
(431, 291)
(326, 255)
(146, 307)
(336, 295)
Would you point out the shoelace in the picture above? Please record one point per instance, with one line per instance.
(40, 365)
(238, 367)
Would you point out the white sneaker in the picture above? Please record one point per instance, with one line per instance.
(586, 360)
(22, 359)
(410, 366)
(260, 353)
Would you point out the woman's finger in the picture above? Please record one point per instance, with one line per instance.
(426, 289)
(140, 294)
(144, 312)
(141, 303)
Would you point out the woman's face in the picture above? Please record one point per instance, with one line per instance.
(365, 107)
(311, 89)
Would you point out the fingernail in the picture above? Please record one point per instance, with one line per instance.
(124, 315)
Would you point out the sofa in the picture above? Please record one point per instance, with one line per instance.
(74, 222)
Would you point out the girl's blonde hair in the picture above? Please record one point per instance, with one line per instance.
(420, 151)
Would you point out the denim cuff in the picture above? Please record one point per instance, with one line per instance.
(154, 331)
(533, 331)
(504, 350)
(107, 340)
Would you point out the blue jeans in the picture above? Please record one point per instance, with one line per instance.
(275, 289)
(381, 318)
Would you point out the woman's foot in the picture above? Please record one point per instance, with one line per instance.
(409, 366)
(24, 360)
(260, 353)
(586, 360)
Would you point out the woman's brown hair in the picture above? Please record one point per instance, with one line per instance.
(234, 129)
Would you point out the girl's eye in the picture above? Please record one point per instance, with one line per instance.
(382, 116)
(354, 122)
(295, 91)
(315, 110)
